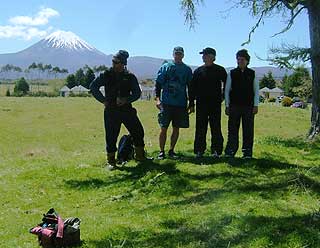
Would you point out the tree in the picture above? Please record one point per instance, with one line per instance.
(80, 77)
(267, 81)
(8, 92)
(100, 68)
(71, 81)
(304, 91)
(297, 83)
(21, 87)
(47, 68)
(32, 67)
(89, 77)
(263, 9)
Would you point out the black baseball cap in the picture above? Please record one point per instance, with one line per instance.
(122, 55)
(178, 49)
(208, 50)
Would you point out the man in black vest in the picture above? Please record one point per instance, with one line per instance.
(121, 89)
(242, 99)
(206, 88)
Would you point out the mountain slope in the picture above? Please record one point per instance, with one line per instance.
(63, 49)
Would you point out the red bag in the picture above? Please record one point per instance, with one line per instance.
(53, 232)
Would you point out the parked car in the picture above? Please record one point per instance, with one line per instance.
(296, 99)
(299, 105)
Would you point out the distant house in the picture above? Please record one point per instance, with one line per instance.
(64, 91)
(147, 92)
(271, 93)
(79, 89)
(276, 92)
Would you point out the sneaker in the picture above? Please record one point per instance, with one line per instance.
(246, 156)
(161, 155)
(111, 167)
(199, 155)
(215, 155)
(172, 154)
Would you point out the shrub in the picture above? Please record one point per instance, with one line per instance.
(83, 94)
(8, 92)
(21, 86)
(271, 99)
(43, 94)
(286, 101)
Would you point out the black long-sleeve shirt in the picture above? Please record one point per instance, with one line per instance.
(207, 84)
(101, 81)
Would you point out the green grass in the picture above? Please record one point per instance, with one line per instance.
(52, 155)
(51, 85)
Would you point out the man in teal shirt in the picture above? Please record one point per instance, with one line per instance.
(171, 99)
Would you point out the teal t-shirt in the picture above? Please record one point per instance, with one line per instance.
(173, 79)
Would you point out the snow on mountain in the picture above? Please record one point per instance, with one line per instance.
(61, 48)
(67, 40)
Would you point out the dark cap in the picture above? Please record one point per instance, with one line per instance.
(208, 50)
(178, 49)
(122, 55)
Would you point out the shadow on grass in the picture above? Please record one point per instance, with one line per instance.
(229, 231)
(244, 176)
(296, 142)
(124, 174)
(247, 177)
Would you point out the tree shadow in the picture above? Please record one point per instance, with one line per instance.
(250, 176)
(229, 231)
(295, 142)
(130, 172)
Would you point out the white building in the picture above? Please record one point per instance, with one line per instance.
(147, 92)
(271, 93)
(79, 89)
(276, 92)
(64, 91)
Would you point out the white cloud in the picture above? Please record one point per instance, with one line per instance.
(26, 33)
(41, 18)
(25, 27)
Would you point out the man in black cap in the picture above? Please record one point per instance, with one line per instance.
(242, 99)
(206, 88)
(121, 89)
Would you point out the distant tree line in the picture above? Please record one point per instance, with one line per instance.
(84, 76)
(33, 71)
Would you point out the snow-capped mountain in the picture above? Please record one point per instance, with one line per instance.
(67, 40)
(61, 48)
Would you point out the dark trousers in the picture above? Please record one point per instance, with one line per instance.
(237, 114)
(113, 118)
(204, 114)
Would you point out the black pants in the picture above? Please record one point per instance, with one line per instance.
(113, 118)
(237, 114)
(204, 114)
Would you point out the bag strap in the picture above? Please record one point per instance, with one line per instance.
(60, 228)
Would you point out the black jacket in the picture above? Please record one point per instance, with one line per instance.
(207, 85)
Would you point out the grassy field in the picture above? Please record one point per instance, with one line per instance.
(51, 85)
(52, 155)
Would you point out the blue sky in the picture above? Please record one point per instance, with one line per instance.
(145, 27)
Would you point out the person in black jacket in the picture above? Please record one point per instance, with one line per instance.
(121, 89)
(206, 88)
(242, 99)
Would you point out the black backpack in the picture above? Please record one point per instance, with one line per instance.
(125, 148)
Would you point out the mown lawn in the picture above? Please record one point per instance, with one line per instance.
(52, 155)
